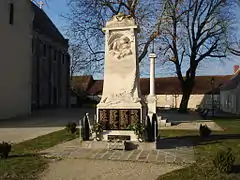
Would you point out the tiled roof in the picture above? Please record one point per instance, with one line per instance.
(82, 82)
(43, 25)
(232, 83)
(96, 88)
(170, 85)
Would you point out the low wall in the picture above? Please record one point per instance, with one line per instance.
(173, 101)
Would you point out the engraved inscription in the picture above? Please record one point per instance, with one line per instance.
(123, 118)
(113, 119)
(118, 118)
(134, 116)
(103, 117)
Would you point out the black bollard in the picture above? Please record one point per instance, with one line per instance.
(154, 126)
(86, 129)
(149, 130)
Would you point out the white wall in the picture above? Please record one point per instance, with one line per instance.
(174, 101)
(230, 100)
(15, 59)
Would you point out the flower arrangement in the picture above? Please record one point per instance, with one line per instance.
(98, 129)
(138, 129)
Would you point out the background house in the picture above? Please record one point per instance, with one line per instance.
(51, 62)
(230, 94)
(80, 86)
(167, 89)
(169, 94)
(15, 60)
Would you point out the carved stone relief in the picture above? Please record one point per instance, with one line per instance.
(119, 45)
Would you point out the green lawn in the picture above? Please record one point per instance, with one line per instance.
(24, 163)
(205, 150)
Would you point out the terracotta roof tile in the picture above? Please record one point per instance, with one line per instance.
(97, 87)
(82, 82)
(171, 85)
(232, 83)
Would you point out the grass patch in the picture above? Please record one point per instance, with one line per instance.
(176, 133)
(24, 162)
(205, 150)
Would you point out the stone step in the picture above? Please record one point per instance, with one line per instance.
(160, 118)
(132, 135)
(168, 124)
(162, 122)
(116, 145)
(94, 144)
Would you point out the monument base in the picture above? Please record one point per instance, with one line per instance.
(119, 134)
(118, 118)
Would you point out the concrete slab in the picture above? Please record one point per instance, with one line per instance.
(190, 121)
(20, 129)
(16, 135)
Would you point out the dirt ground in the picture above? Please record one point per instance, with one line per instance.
(84, 169)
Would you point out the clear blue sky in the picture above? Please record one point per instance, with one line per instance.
(55, 8)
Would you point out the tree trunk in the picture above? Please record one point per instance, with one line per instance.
(187, 90)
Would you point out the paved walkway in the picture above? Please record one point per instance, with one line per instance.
(75, 160)
(74, 150)
(20, 129)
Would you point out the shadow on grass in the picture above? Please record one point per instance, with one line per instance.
(25, 155)
(236, 169)
(186, 141)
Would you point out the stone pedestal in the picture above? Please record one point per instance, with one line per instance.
(131, 134)
(121, 104)
(152, 105)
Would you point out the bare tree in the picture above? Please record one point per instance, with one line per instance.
(80, 63)
(75, 60)
(87, 18)
(194, 30)
(234, 47)
(186, 31)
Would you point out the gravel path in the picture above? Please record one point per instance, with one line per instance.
(82, 169)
